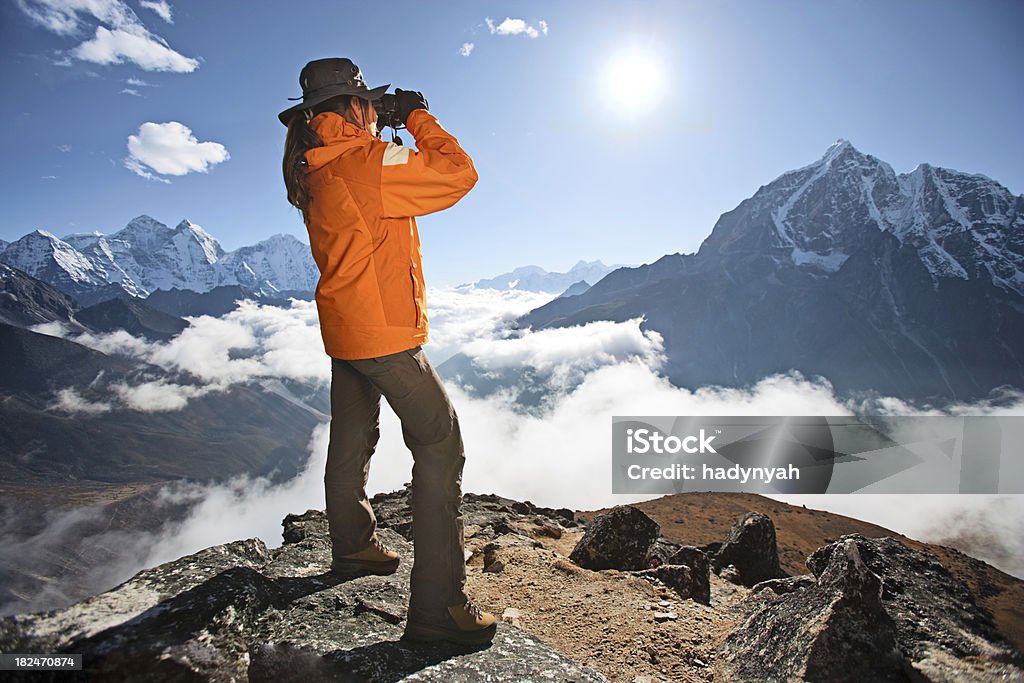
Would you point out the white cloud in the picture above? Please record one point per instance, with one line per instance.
(129, 91)
(136, 167)
(47, 177)
(466, 49)
(64, 148)
(587, 346)
(171, 149)
(459, 315)
(138, 83)
(58, 17)
(54, 328)
(517, 27)
(250, 343)
(119, 34)
(158, 396)
(144, 49)
(244, 507)
(70, 401)
(161, 7)
(557, 457)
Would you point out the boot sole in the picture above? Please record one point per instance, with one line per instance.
(427, 633)
(378, 568)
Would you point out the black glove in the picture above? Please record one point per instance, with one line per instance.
(408, 101)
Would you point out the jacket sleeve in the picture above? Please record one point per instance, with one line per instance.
(415, 183)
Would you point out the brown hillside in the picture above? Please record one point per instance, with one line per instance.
(702, 518)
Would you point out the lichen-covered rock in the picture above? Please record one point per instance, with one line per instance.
(618, 539)
(750, 547)
(940, 627)
(875, 610)
(835, 630)
(687, 571)
(245, 613)
(660, 551)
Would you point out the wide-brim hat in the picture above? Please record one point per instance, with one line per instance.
(323, 79)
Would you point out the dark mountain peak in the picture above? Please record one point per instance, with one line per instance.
(25, 301)
(576, 288)
(133, 316)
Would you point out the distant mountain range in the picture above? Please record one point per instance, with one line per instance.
(26, 301)
(536, 279)
(146, 256)
(910, 285)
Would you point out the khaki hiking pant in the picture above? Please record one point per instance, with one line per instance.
(430, 429)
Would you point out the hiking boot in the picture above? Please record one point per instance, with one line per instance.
(376, 558)
(464, 623)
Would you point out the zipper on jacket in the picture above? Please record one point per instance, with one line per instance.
(415, 294)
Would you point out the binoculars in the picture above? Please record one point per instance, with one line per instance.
(387, 111)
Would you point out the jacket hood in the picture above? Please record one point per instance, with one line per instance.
(339, 135)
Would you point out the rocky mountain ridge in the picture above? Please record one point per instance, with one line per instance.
(146, 256)
(875, 607)
(904, 285)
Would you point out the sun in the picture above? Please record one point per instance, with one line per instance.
(638, 72)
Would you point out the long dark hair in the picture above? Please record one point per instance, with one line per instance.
(300, 139)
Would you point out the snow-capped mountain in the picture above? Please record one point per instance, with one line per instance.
(280, 262)
(909, 285)
(46, 257)
(536, 279)
(962, 225)
(146, 256)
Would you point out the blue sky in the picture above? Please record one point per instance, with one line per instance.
(579, 157)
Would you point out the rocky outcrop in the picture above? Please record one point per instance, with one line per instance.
(491, 514)
(870, 610)
(940, 627)
(750, 547)
(877, 611)
(241, 612)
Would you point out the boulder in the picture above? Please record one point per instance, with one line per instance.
(835, 630)
(242, 612)
(750, 547)
(687, 571)
(618, 539)
(660, 551)
(940, 628)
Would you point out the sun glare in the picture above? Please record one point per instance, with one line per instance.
(638, 73)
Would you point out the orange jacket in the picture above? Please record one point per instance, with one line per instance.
(366, 193)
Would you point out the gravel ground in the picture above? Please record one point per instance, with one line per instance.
(626, 627)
